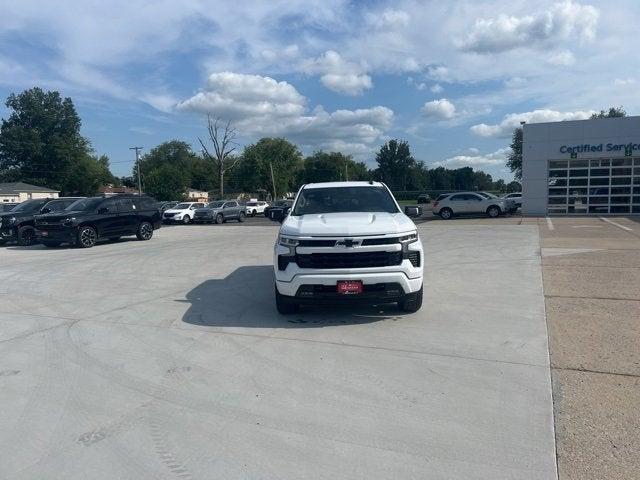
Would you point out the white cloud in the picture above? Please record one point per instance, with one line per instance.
(439, 73)
(237, 96)
(262, 106)
(389, 19)
(436, 88)
(563, 21)
(163, 102)
(339, 75)
(564, 58)
(505, 128)
(499, 157)
(624, 81)
(441, 109)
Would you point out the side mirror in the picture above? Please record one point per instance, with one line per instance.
(277, 214)
(413, 211)
(103, 210)
(45, 210)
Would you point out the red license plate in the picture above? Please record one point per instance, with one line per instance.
(350, 287)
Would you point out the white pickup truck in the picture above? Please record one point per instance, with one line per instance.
(347, 242)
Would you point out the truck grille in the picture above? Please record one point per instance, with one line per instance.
(169, 215)
(349, 260)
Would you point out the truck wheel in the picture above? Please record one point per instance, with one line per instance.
(219, 218)
(411, 302)
(145, 231)
(241, 217)
(186, 219)
(446, 213)
(87, 237)
(26, 236)
(284, 305)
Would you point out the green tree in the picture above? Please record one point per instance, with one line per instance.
(395, 164)
(613, 112)
(514, 187)
(500, 186)
(172, 167)
(277, 153)
(40, 143)
(514, 160)
(166, 182)
(331, 167)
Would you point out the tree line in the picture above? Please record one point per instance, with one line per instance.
(41, 143)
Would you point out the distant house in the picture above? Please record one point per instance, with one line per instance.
(17, 192)
(197, 195)
(110, 190)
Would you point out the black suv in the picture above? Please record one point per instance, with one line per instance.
(18, 224)
(94, 218)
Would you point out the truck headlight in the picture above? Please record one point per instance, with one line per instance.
(11, 220)
(288, 241)
(69, 221)
(410, 238)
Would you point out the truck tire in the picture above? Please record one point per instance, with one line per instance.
(87, 237)
(412, 302)
(284, 305)
(27, 236)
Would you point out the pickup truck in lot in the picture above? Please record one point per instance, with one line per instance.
(347, 242)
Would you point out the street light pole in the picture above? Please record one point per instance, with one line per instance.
(137, 149)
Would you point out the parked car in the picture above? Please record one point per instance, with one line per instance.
(424, 198)
(347, 242)
(280, 204)
(254, 208)
(86, 221)
(7, 207)
(469, 203)
(18, 225)
(220, 211)
(181, 213)
(516, 197)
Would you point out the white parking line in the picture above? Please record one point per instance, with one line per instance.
(616, 224)
(550, 224)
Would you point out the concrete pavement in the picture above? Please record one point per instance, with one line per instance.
(167, 359)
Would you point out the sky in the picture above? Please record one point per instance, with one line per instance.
(452, 78)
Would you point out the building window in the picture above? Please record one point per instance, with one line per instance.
(594, 186)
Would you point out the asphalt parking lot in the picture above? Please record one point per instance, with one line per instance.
(167, 359)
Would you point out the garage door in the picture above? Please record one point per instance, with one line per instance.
(595, 186)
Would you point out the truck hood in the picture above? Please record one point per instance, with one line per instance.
(347, 224)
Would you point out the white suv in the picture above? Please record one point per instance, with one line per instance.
(469, 203)
(255, 207)
(182, 212)
(347, 242)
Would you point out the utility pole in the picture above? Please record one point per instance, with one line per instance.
(273, 182)
(137, 149)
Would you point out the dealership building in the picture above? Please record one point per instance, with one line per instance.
(583, 167)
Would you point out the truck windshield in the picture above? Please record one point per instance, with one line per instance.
(344, 199)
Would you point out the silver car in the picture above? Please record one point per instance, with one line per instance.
(220, 211)
(470, 203)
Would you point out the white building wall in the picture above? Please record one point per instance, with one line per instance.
(542, 142)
